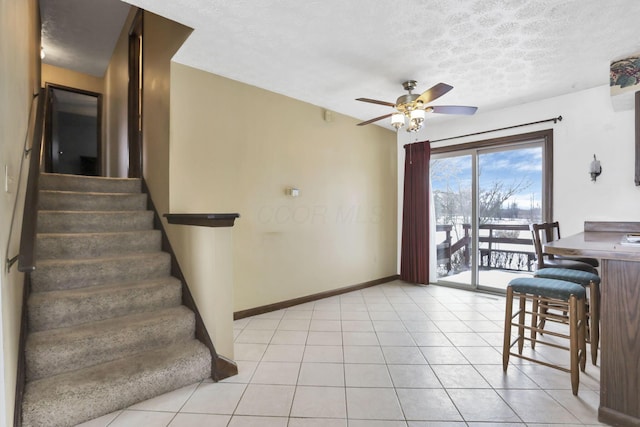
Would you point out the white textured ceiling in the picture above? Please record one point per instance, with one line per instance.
(81, 34)
(496, 53)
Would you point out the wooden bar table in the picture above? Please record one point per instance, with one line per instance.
(619, 314)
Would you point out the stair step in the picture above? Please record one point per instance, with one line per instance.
(60, 309)
(93, 221)
(92, 245)
(77, 396)
(93, 184)
(75, 201)
(72, 274)
(61, 350)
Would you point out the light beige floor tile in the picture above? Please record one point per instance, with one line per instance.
(319, 402)
(376, 423)
(357, 325)
(443, 356)
(528, 403)
(267, 400)
(317, 422)
(252, 352)
(481, 355)
(190, 420)
(283, 353)
(130, 418)
(389, 326)
(214, 398)
(249, 421)
(440, 424)
(384, 315)
(513, 378)
(413, 376)
(246, 369)
(360, 338)
(584, 406)
(373, 404)
(289, 337)
(355, 315)
(297, 315)
(459, 376)
(168, 402)
(482, 405)
(321, 374)
(294, 324)
(367, 375)
(466, 339)
(102, 421)
(427, 404)
(324, 338)
(325, 325)
(403, 356)
(430, 339)
(420, 326)
(363, 354)
(451, 325)
(280, 373)
(263, 324)
(255, 336)
(326, 315)
(395, 339)
(353, 307)
(323, 353)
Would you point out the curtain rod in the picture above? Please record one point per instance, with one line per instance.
(554, 120)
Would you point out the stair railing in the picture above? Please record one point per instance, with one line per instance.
(26, 256)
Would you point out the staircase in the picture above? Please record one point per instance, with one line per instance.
(106, 325)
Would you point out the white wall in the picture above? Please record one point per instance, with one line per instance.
(589, 126)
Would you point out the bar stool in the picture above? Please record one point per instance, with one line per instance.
(587, 280)
(541, 292)
(547, 232)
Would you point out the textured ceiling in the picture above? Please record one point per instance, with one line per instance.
(496, 53)
(81, 34)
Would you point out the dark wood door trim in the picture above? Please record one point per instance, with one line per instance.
(134, 114)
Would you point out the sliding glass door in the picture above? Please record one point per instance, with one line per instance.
(484, 199)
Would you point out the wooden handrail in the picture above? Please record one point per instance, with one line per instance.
(26, 256)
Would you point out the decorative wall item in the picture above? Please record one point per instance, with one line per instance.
(624, 81)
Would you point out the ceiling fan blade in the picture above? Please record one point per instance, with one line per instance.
(375, 101)
(453, 109)
(434, 92)
(374, 120)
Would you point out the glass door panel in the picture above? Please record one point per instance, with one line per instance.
(452, 189)
(509, 199)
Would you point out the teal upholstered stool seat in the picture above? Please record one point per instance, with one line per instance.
(588, 280)
(535, 295)
(550, 288)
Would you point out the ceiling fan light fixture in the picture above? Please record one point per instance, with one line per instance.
(417, 115)
(397, 120)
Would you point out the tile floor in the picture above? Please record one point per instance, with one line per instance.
(393, 355)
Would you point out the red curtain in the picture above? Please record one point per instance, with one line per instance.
(414, 256)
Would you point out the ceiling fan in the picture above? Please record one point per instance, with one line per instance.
(413, 106)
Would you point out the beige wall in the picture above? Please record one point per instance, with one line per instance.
(19, 79)
(339, 232)
(74, 79)
(116, 78)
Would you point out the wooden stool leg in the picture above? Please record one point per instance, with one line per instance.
(594, 318)
(506, 346)
(574, 344)
(582, 332)
(535, 306)
(521, 314)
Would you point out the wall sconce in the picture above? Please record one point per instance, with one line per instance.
(292, 191)
(595, 169)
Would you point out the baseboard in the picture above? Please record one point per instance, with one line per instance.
(309, 298)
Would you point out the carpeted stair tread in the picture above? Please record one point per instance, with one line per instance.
(64, 308)
(60, 350)
(93, 221)
(72, 200)
(77, 396)
(91, 245)
(71, 274)
(92, 184)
